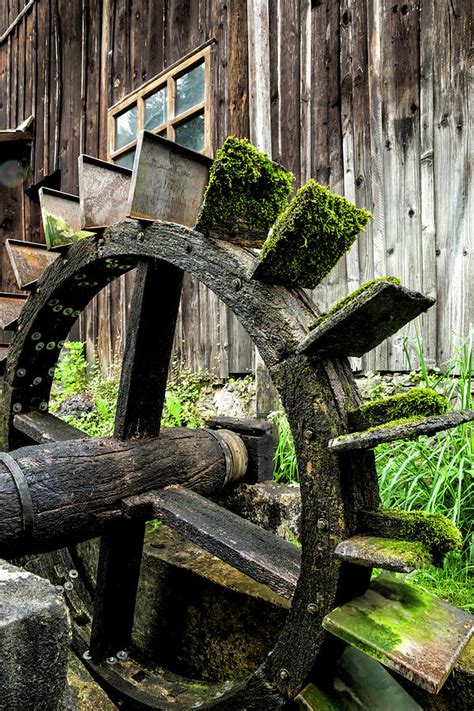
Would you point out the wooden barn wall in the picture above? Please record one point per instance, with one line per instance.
(368, 96)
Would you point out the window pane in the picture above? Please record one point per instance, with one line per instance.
(126, 159)
(126, 127)
(191, 133)
(190, 89)
(155, 109)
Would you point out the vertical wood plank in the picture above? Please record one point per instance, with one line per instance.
(427, 185)
(453, 107)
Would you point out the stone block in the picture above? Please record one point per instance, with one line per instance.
(34, 642)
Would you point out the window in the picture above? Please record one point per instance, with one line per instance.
(175, 105)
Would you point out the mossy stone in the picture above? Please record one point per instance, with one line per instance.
(416, 403)
(310, 237)
(246, 191)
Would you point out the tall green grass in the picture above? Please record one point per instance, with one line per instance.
(436, 474)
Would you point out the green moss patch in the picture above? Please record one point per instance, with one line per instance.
(433, 530)
(57, 232)
(246, 190)
(417, 403)
(310, 237)
(354, 294)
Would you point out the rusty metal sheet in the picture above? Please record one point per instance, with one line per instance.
(104, 189)
(10, 308)
(61, 217)
(168, 181)
(28, 260)
(405, 628)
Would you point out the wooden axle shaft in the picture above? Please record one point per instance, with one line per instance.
(55, 494)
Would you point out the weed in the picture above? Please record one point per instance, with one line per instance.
(285, 464)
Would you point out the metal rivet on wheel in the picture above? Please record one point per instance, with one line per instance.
(73, 574)
(122, 655)
(322, 524)
(51, 372)
(35, 336)
(140, 236)
(284, 674)
(67, 312)
(21, 372)
(312, 608)
(308, 434)
(237, 284)
(76, 313)
(111, 660)
(60, 344)
(37, 380)
(43, 406)
(51, 345)
(57, 308)
(53, 302)
(39, 346)
(196, 704)
(87, 655)
(68, 586)
(60, 588)
(17, 407)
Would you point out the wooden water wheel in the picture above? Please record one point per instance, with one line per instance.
(343, 532)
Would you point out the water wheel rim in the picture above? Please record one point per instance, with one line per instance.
(315, 393)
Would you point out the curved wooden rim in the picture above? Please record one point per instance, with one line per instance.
(315, 393)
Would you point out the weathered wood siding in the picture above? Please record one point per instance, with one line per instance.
(371, 97)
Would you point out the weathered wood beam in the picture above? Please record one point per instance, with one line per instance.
(366, 321)
(152, 321)
(386, 553)
(254, 551)
(44, 427)
(411, 429)
(75, 488)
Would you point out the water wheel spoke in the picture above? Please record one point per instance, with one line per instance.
(153, 314)
(245, 546)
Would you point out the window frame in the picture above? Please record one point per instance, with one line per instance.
(166, 78)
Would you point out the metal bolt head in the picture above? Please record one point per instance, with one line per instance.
(237, 284)
(68, 586)
(73, 574)
(140, 236)
(308, 434)
(284, 674)
(323, 525)
(111, 660)
(122, 655)
(87, 655)
(312, 608)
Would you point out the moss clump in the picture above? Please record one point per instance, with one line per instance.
(354, 294)
(392, 423)
(245, 190)
(434, 530)
(417, 403)
(310, 237)
(57, 232)
(413, 554)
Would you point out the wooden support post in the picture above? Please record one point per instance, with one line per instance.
(152, 322)
(117, 583)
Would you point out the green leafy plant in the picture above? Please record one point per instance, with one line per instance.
(70, 376)
(285, 464)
